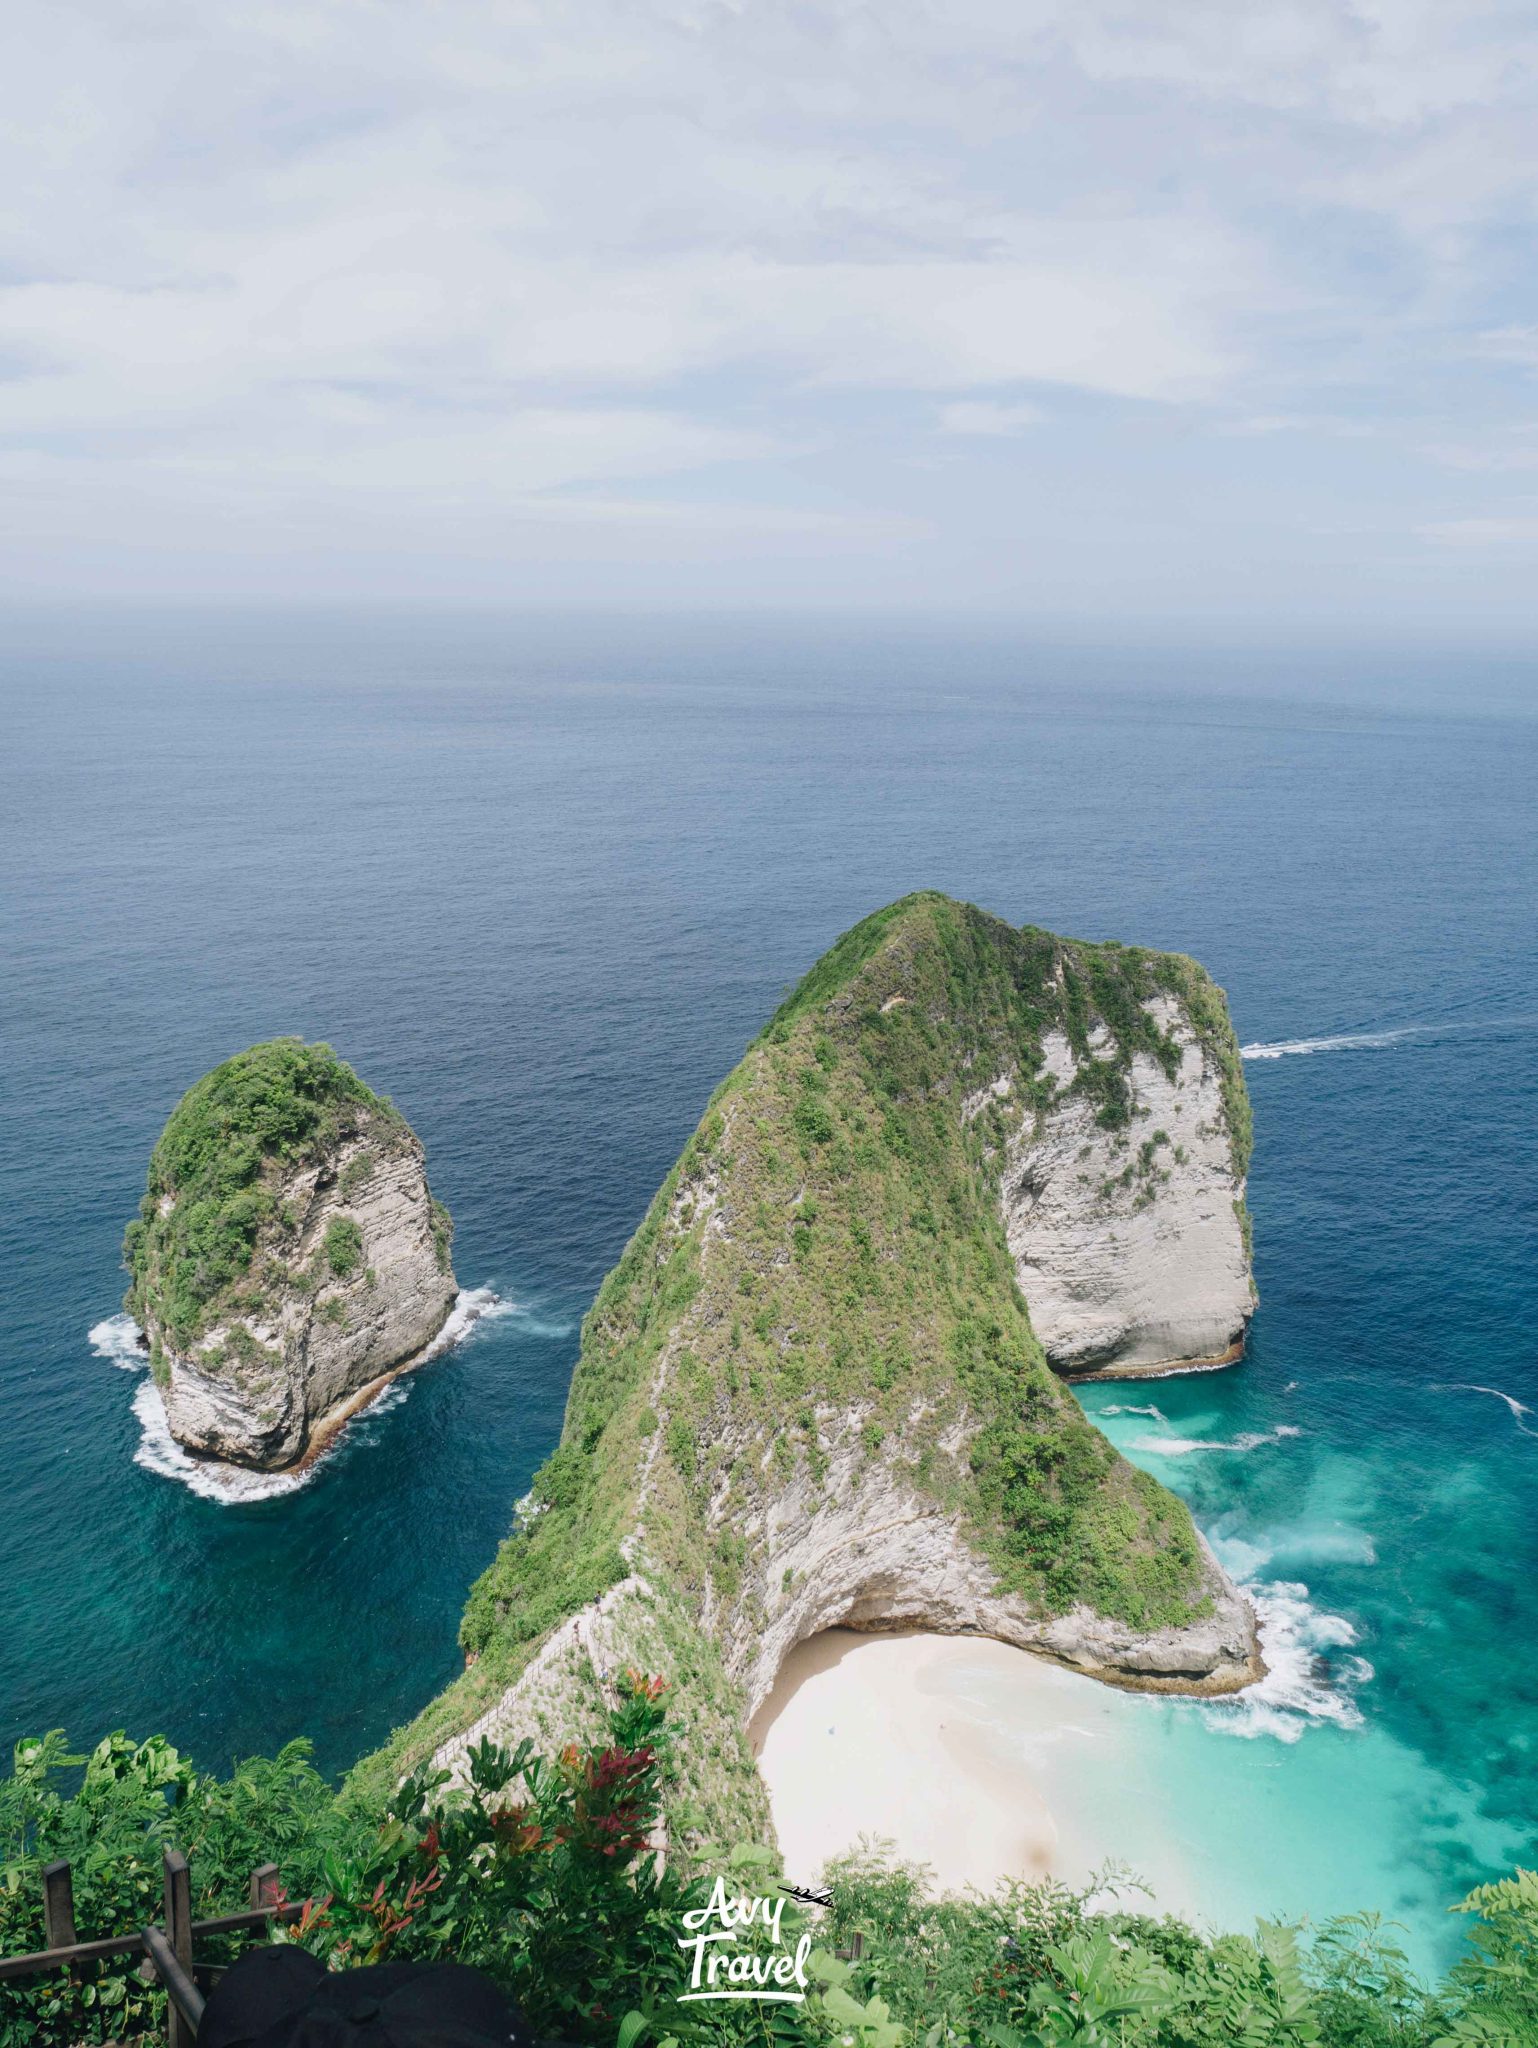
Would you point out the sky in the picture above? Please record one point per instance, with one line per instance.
(1152, 315)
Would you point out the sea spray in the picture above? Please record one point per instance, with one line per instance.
(1307, 1682)
(117, 1340)
(1183, 1446)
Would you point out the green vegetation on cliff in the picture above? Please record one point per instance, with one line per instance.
(208, 1194)
(830, 1246)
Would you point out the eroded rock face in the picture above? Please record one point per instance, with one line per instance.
(814, 1394)
(263, 1398)
(868, 1552)
(1129, 1243)
(289, 1256)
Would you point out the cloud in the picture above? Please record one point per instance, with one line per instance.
(1511, 531)
(1516, 450)
(988, 416)
(1511, 345)
(292, 265)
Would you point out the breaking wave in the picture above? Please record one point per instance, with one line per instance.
(1310, 1679)
(1183, 1446)
(472, 1305)
(1126, 1408)
(1519, 1409)
(159, 1452)
(116, 1339)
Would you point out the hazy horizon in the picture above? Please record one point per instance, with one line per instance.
(898, 659)
(1105, 319)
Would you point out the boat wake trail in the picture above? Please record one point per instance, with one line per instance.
(1367, 1041)
(1347, 1042)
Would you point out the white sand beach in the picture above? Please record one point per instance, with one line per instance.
(965, 1754)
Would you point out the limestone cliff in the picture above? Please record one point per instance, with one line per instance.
(1130, 1240)
(288, 1257)
(810, 1393)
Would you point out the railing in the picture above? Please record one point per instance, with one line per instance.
(168, 1949)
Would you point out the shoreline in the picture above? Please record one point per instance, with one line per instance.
(1163, 1369)
(329, 1426)
(948, 1748)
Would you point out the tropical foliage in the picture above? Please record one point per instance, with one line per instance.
(207, 1193)
(548, 1873)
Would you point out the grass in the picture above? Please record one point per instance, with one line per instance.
(824, 1274)
(210, 1185)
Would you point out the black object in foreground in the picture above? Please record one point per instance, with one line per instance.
(282, 1997)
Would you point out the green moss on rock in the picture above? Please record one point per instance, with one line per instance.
(208, 1192)
(830, 1250)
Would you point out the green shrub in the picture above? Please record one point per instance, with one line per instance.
(343, 1246)
(206, 1197)
(544, 1871)
(112, 1829)
(443, 1235)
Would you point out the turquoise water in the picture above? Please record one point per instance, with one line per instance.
(1370, 1470)
(542, 884)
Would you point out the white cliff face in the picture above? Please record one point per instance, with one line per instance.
(863, 1550)
(768, 1483)
(354, 1280)
(868, 1552)
(1128, 1243)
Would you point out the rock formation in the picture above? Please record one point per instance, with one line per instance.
(1130, 1242)
(289, 1257)
(810, 1393)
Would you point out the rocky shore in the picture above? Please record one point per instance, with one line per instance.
(814, 1392)
(289, 1259)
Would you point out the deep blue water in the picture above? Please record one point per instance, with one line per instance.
(541, 883)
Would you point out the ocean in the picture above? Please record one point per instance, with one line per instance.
(541, 881)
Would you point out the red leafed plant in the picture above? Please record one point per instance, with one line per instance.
(542, 1870)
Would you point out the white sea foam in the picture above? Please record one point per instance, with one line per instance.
(1306, 1683)
(1125, 1408)
(116, 1339)
(472, 1306)
(1519, 1409)
(1293, 1545)
(159, 1452)
(1183, 1446)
